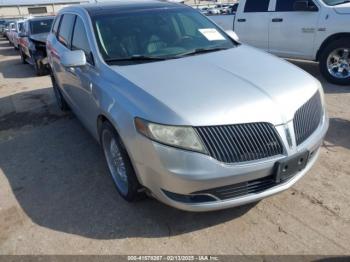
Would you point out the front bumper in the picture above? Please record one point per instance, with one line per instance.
(166, 169)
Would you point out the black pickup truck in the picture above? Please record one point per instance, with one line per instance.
(32, 42)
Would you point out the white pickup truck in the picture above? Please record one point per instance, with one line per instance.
(317, 30)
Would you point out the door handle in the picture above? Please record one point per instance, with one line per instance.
(277, 20)
(241, 20)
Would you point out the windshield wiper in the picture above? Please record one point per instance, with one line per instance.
(200, 51)
(134, 58)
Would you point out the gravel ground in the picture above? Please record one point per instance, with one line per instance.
(56, 196)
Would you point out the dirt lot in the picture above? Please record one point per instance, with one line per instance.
(56, 196)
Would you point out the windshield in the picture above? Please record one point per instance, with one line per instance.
(161, 33)
(40, 26)
(335, 2)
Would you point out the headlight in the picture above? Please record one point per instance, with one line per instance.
(177, 136)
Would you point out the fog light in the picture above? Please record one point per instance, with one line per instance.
(188, 199)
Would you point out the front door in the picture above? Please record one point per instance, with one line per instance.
(292, 33)
(83, 80)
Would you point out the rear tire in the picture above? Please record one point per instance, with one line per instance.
(119, 164)
(335, 62)
(61, 102)
(40, 70)
(23, 56)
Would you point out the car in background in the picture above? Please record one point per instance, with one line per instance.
(233, 8)
(10, 30)
(15, 34)
(181, 109)
(7, 28)
(224, 8)
(203, 10)
(316, 30)
(213, 11)
(32, 42)
(2, 27)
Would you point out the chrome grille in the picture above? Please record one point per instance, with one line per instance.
(307, 118)
(241, 142)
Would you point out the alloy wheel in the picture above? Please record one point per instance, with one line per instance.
(115, 161)
(338, 63)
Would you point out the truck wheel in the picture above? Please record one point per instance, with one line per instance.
(119, 164)
(335, 62)
(23, 56)
(40, 70)
(61, 102)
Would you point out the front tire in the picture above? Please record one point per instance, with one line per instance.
(335, 62)
(119, 164)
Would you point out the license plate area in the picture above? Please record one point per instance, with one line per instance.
(287, 168)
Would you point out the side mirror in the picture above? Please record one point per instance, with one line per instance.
(232, 35)
(21, 34)
(304, 6)
(74, 58)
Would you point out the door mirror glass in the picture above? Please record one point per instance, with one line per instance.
(305, 6)
(74, 58)
(232, 35)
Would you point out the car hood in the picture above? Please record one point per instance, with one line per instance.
(343, 9)
(238, 85)
(40, 37)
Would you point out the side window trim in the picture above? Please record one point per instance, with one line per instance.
(67, 45)
(57, 20)
(90, 61)
(59, 29)
(245, 7)
(275, 7)
(72, 33)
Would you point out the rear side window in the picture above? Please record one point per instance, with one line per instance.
(288, 5)
(254, 6)
(66, 28)
(56, 25)
(80, 40)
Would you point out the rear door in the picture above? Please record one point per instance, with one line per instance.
(292, 33)
(252, 22)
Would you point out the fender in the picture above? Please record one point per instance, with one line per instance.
(328, 40)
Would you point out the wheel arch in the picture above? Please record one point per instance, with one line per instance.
(329, 40)
(103, 118)
(100, 120)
